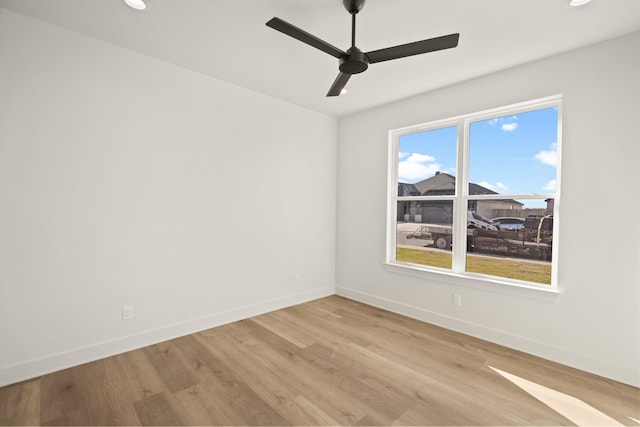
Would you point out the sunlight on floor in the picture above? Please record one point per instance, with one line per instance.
(570, 407)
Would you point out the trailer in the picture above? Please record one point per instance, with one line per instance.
(441, 233)
(534, 241)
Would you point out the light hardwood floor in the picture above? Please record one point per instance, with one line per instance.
(327, 362)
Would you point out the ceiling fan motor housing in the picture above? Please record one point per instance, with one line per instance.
(355, 62)
(353, 6)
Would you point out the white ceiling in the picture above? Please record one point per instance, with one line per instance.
(228, 39)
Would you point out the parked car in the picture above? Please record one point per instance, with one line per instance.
(509, 222)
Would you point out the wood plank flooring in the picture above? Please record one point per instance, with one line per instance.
(332, 361)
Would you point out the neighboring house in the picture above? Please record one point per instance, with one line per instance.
(441, 212)
(405, 190)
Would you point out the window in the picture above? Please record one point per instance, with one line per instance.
(477, 195)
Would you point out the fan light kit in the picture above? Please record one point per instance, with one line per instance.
(355, 61)
(136, 4)
(578, 2)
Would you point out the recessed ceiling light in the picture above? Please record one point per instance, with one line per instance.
(343, 91)
(579, 2)
(136, 4)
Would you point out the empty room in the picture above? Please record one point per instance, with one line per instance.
(278, 212)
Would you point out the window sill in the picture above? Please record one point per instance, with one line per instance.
(478, 283)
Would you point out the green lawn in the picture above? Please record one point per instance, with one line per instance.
(440, 259)
(508, 268)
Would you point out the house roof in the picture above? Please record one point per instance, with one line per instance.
(439, 184)
(405, 190)
(442, 184)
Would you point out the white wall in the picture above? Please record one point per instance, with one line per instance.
(128, 181)
(595, 324)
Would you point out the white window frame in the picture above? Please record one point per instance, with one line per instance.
(457, 274)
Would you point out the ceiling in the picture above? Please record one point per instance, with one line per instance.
(228, 39)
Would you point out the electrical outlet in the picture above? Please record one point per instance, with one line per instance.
(127, 312)
(456, 300)
(297, 278)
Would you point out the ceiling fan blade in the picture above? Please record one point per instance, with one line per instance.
(415, 48)
(303, 36)
(338, 84)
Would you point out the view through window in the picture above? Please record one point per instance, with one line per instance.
(478, 194)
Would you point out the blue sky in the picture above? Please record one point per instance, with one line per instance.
(514, 154)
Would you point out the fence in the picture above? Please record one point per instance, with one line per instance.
(520, 213)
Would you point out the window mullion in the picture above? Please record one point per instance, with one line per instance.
(460, 204)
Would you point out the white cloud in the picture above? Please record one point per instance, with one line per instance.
(507, 123)
(414, 172)
(420, 158)
(549, 157)
(551, 185)
(450, 171)
(509, 127)
(497, 187)
(402, 155)
(417, 167)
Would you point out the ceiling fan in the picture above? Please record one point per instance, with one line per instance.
(355, 61)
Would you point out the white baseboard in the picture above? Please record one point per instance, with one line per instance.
(584, 362)
(36, 367)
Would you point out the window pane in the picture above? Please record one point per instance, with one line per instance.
(423, 233)
(515, 154)
(511, 242)
(427, 162)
